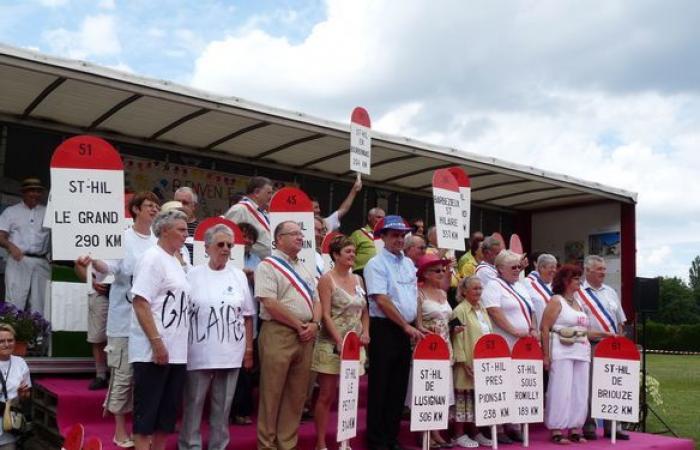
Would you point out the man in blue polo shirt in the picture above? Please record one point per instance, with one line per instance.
(392, 290)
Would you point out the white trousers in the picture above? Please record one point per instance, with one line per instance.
(223, 386)
(26, 281)
(567, 394)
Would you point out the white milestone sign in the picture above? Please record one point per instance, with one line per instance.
(292, 204)
(360, 141)
(527, 381)
(431, 385)
(615, 387)
(492, 377)
(88, 213)
(447, 203)
(349, 387)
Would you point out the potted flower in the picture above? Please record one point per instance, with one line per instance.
(31, 329)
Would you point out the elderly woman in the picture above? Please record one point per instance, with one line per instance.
(143, 206)
(220, 340)
(434, 311)
(539, 283)
(474, 322)
(508, 304)
(567, 355)
(15, 379)
(344, 309)
(158, 333)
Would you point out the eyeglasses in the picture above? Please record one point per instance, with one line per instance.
(292, 233)
(514, 267)
(224, 244)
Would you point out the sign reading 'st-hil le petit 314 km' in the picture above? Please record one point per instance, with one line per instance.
(87, 199)
(349, 387)
(360, 141)
(615, 387)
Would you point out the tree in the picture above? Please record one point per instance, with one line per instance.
(676, 303)
(694, 274)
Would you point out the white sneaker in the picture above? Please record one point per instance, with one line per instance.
(483, 440)
(466, 442)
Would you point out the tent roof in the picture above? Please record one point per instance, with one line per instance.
(84, 98)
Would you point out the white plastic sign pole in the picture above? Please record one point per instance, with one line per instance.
(87, 200)
(492, 391)
(293, 204)
(615, 387)
(448, 210)
(199, 254)
(348, 389)
(465, 192)
(527, 384)
(360, 141)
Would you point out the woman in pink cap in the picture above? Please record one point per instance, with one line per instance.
(434, 311)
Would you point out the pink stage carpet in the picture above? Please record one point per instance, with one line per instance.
(77, 404)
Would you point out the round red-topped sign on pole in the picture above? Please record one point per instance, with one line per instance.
(237, 256)
(86, 152)
(289, 199)
(447, 202)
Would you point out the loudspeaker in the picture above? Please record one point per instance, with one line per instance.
(646, 294)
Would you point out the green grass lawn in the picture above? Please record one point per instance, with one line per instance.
(680, 388)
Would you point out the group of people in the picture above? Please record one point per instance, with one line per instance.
(175, 332)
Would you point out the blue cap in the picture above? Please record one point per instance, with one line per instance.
(392, 223)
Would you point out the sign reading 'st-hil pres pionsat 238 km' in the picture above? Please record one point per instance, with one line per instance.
(492, 391)
(87, 200)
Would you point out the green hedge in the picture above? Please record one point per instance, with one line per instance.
(684, 338)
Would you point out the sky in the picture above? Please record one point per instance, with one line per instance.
(605, 90)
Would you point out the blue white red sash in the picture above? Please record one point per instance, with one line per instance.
(602, 316)
(483, 265)
(369, 235)
(522, 302)
(294, 278)
(540, 287)
(260, 216)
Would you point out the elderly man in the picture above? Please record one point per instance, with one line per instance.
(364, 240)
(253, 209)
(539, 283)
(486, 270)
(414, 248)
(332, 222)
(392, 290)
(26, 240)
(605, 314)
(188, 198)
(291, 314)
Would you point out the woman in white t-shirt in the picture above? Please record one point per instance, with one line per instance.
(158, 333)
(16, 375)
(220, 340)
(508, 303)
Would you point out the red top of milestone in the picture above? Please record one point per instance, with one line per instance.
(205, 224)
(290, 199)
(527, 348)
(86, 152)
(360, 116)
(432, 347)
(325, 246)
(515, 244)
(351, 347)
(617, 347)
(461, 176)
(443, 179)
(491, 346)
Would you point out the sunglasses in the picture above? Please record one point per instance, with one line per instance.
(514, 267)
(224, 244)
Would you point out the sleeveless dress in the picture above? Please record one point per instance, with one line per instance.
(436, 317)
(346, 313)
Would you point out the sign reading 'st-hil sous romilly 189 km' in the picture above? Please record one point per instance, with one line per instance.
(360, 141)
(87, 200)
(430, 384)
(615, 387)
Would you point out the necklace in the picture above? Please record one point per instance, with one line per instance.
(570, 301)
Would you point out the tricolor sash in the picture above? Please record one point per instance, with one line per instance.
(483, 265)
(369, 235)
(597, 309)
(524, 304)
(294, 278)
(540, 287)
(255, 211)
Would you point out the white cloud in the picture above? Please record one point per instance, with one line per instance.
(53, 3)
(107, 4)
(97, 36)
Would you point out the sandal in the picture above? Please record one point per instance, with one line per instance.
(577, 438)
(560, 439)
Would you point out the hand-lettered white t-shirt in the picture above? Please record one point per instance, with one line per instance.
(161, 280)
(219, 301)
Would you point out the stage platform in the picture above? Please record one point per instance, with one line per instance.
(65, 401)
